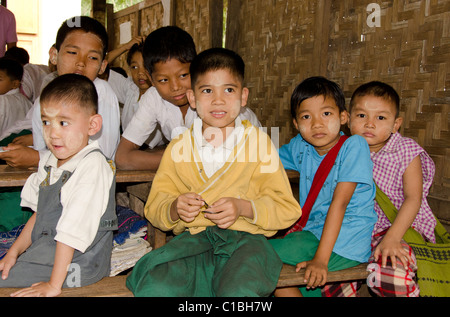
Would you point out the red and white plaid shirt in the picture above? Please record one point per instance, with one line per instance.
(389, 165)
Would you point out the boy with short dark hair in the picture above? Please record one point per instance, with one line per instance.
(81, 44)
(222, 190)
(73, 196)
(168, 53)
(336, 235)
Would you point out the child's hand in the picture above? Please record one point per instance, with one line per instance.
(227, 210)
(20, 156)
(41, 289)
(315, 274)
(6, 264)
(187, 206)
(391, 248)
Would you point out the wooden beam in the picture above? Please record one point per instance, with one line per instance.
(173, 12)
(110, 25)
(216, 22)
(321, 36)
(232, 27)
(98, 11)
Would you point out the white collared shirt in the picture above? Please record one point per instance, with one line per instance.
(13, 108)
(213, 158)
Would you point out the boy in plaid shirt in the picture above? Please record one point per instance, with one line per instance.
(404, 172)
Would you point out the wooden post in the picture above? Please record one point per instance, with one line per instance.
(110, 25)
(173, 12)
(98, 11)
(322, 35)
(233, 17)
(216, 22)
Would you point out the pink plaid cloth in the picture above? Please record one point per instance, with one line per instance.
(389, 165)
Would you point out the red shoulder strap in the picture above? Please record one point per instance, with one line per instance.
(319, 178)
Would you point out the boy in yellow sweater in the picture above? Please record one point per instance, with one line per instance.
(222, 189)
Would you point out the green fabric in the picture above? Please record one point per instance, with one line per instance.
(214, 262)
(11, 214)
(433, 260)
(301, 246)
(12, 136)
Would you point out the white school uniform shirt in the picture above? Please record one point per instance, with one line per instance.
(32, 79)
(26, 123)
(127, 93)
(13, 107)
(108, 107)
(154, 110)
(84, 197)
(213, 158)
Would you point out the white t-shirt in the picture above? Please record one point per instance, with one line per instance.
(154, 110)
(13, 107)
(84, 197)
(33, 75)
(108, 107)
(127, 93)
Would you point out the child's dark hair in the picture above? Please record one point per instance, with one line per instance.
(316, 86)
(166, 43)
(12, 68)
(377, 89)
(19, 54)
(72, 88)
(83, 23)
(135, 48)
(215, 59)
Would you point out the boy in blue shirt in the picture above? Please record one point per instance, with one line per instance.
(338, 232)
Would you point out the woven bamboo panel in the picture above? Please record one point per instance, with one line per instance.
(409, 50)
(193, 17)
(277, 44)
(143, 22)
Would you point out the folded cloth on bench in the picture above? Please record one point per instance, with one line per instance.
(8, 238)
(129, 244)
(129, 222)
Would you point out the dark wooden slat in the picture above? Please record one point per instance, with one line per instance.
(288, 276)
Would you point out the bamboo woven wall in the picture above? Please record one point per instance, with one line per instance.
(143, 20)
(193, 17)
(285, 41)
(190, 15)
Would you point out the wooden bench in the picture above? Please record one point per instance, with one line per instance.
(138, 188)
(115, 286)
(107, 287)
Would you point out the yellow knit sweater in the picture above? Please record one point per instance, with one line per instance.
(253, 172)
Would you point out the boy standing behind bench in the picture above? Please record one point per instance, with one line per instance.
(222, 189)
(73, 196)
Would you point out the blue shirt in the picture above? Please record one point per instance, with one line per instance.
(353, 164)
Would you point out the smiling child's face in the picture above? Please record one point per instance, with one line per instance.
(171, 79)
(218, 97)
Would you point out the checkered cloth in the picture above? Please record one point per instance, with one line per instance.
(389, 165)
(383, 281)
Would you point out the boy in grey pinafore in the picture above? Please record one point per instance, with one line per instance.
(68, 241)
(36, 263)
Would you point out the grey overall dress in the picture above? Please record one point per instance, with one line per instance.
(36, 264)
